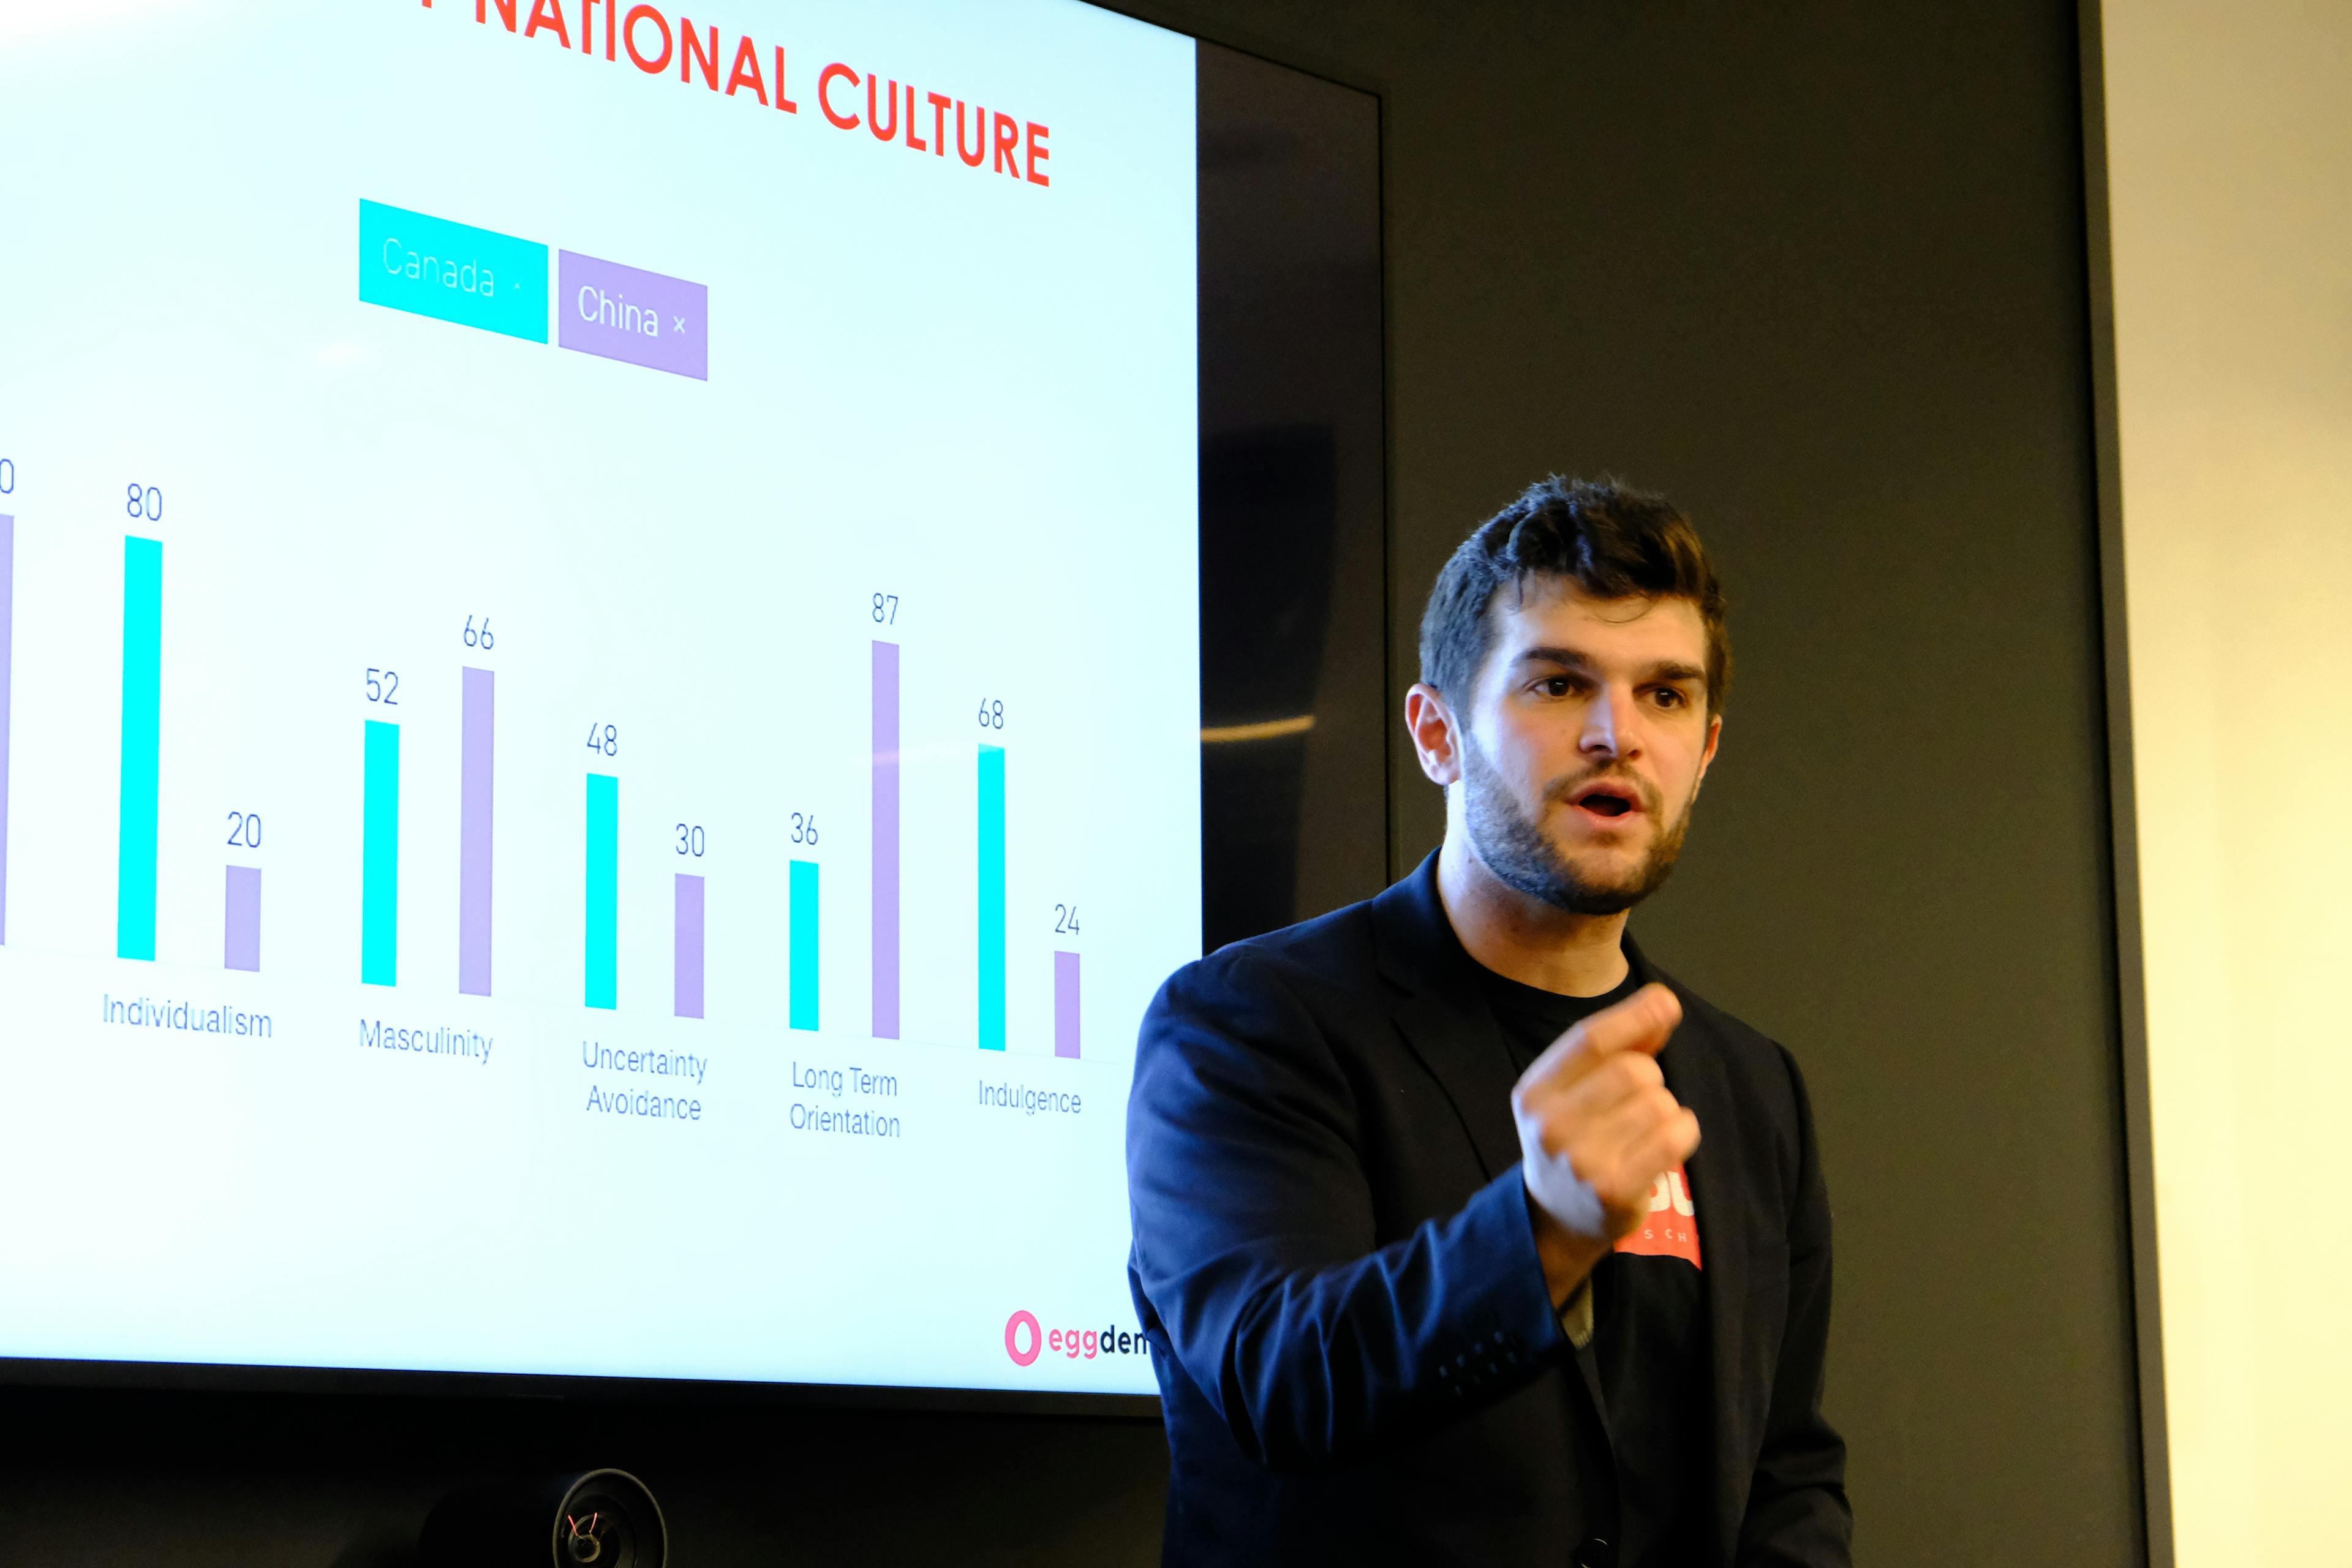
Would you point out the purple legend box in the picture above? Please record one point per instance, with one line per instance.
(643, 317)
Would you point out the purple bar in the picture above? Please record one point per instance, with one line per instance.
(7, 615)
(477, 762)
(688, 987)
(241, 946)
(886, 841)
(621, 312)
(1066, 1004)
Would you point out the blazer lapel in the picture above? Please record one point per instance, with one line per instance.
(1444, 1017)
(1445, 1020)
(1695, 1075)
(1472, 1065)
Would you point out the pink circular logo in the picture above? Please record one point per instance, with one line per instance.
(1013, 1327)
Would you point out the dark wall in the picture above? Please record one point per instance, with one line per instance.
(1818, 273)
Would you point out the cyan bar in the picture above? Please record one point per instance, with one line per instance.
(477, 764)
(241, 924)
(428, 265)
(604, 901)
(7, 620)
(686, 987)
(143, 745)
(1066, 1004)
(886, 841)
(380, 859)
(805, 928)
(991, 898)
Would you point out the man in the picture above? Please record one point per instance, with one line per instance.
(1462, 1233)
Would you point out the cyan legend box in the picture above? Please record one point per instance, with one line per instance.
(428, 265)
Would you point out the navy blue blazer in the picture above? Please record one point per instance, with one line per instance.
(1334, 1266)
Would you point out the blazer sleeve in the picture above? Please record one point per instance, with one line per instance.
(1254, 1238)
(1797, 1508)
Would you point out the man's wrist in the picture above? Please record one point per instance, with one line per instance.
(1568, 1258)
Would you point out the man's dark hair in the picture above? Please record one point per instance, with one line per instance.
(1609, 541)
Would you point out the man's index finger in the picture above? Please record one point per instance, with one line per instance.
(1642, 1022)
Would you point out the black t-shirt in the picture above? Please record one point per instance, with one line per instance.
(1649, 1335)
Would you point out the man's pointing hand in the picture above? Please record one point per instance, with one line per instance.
(1596, 1129)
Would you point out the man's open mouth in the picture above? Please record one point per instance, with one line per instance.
(1608, 800)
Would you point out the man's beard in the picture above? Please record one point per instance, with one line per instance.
(1513, 847)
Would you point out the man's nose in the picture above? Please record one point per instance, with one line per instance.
(1606, 734)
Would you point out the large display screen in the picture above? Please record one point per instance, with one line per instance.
(600, 711)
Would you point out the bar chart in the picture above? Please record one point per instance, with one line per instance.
(464, 731)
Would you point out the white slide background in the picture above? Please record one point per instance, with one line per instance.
(963, 390)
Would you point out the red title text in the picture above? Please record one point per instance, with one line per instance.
(752, 71)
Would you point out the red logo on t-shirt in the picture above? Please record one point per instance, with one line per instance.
(1671, 1227)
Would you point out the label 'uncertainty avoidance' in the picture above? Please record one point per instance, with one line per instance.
(645, 1104)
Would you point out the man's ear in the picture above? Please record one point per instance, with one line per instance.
(1706, 757)
(1436, 739)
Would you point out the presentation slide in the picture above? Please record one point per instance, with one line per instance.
(599, 681)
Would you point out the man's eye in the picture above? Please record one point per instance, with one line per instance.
(1557, 686)
(1669, 698)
